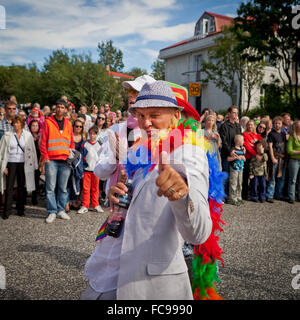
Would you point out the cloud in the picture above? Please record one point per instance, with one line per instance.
(153, 54)
(43, 26)
(230, 15)
(76, 24)
(172, 33)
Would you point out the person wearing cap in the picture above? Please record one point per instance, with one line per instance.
(56, 142)
(120, 137)
(36, 114)
(169, 205)
(70, 105)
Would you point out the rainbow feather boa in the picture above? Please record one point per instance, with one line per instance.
(145, 155)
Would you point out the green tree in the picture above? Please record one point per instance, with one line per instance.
(137, 72)
(252, 75)
(57, 76)
(230, 71)
(64, 73)
(158, 69)
(110, 56)
(22, 81)
(266, 26)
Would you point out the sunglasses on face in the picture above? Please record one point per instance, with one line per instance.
(78, 126)
(11, 108)
(262, 127)
(101, 118)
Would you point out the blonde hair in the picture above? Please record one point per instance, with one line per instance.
(294, 130)
(214, 118)
(238, 137)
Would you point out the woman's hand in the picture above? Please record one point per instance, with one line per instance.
(5, 171)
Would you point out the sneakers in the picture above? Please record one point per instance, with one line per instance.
(98, 209)
(234, 202)
(270, 200)
(51, 218)
(63, 215)
(83, 210)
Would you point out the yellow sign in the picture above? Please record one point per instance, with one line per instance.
(194, 89)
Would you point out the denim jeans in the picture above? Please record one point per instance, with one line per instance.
(56, 172)
(275, 185)
(294, 171)
(258, 182)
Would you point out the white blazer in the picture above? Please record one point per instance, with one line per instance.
(152, 265)
(30, 159)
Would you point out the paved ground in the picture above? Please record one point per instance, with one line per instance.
(43, 261)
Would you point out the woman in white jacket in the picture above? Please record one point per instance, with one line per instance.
(18, 160)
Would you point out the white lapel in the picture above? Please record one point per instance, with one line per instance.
(141, 184)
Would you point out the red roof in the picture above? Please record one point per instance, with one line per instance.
(220, 21)
(120, 75)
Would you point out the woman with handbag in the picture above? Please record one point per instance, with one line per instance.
(18, 161)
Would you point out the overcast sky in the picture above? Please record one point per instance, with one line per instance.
(140, 28)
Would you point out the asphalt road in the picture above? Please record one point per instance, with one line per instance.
(261, 244)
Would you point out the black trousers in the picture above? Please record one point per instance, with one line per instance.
(34, 194)
(15, 170)
(246, 173)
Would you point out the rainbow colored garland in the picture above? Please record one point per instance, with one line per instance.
(204, 264)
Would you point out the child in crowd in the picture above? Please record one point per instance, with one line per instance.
(90, 183)
(258, 172)
(236, 171)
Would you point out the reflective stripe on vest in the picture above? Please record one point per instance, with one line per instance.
(59, 143)
(59, 140)
(57, 148)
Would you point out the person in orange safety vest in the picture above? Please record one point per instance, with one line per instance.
(55, 145)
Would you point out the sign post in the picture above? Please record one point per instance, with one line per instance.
(194, 89)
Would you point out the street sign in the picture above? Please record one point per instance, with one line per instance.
(194, 89)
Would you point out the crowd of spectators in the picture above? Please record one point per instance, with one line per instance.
(261, 155)
(31, 148)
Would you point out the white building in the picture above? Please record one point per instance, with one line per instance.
(183, 62)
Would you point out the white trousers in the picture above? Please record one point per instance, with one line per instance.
(91, 294)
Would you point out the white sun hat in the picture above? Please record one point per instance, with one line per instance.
(137, 84)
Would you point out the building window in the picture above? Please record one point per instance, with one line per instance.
(198, 65)
(205, 26)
